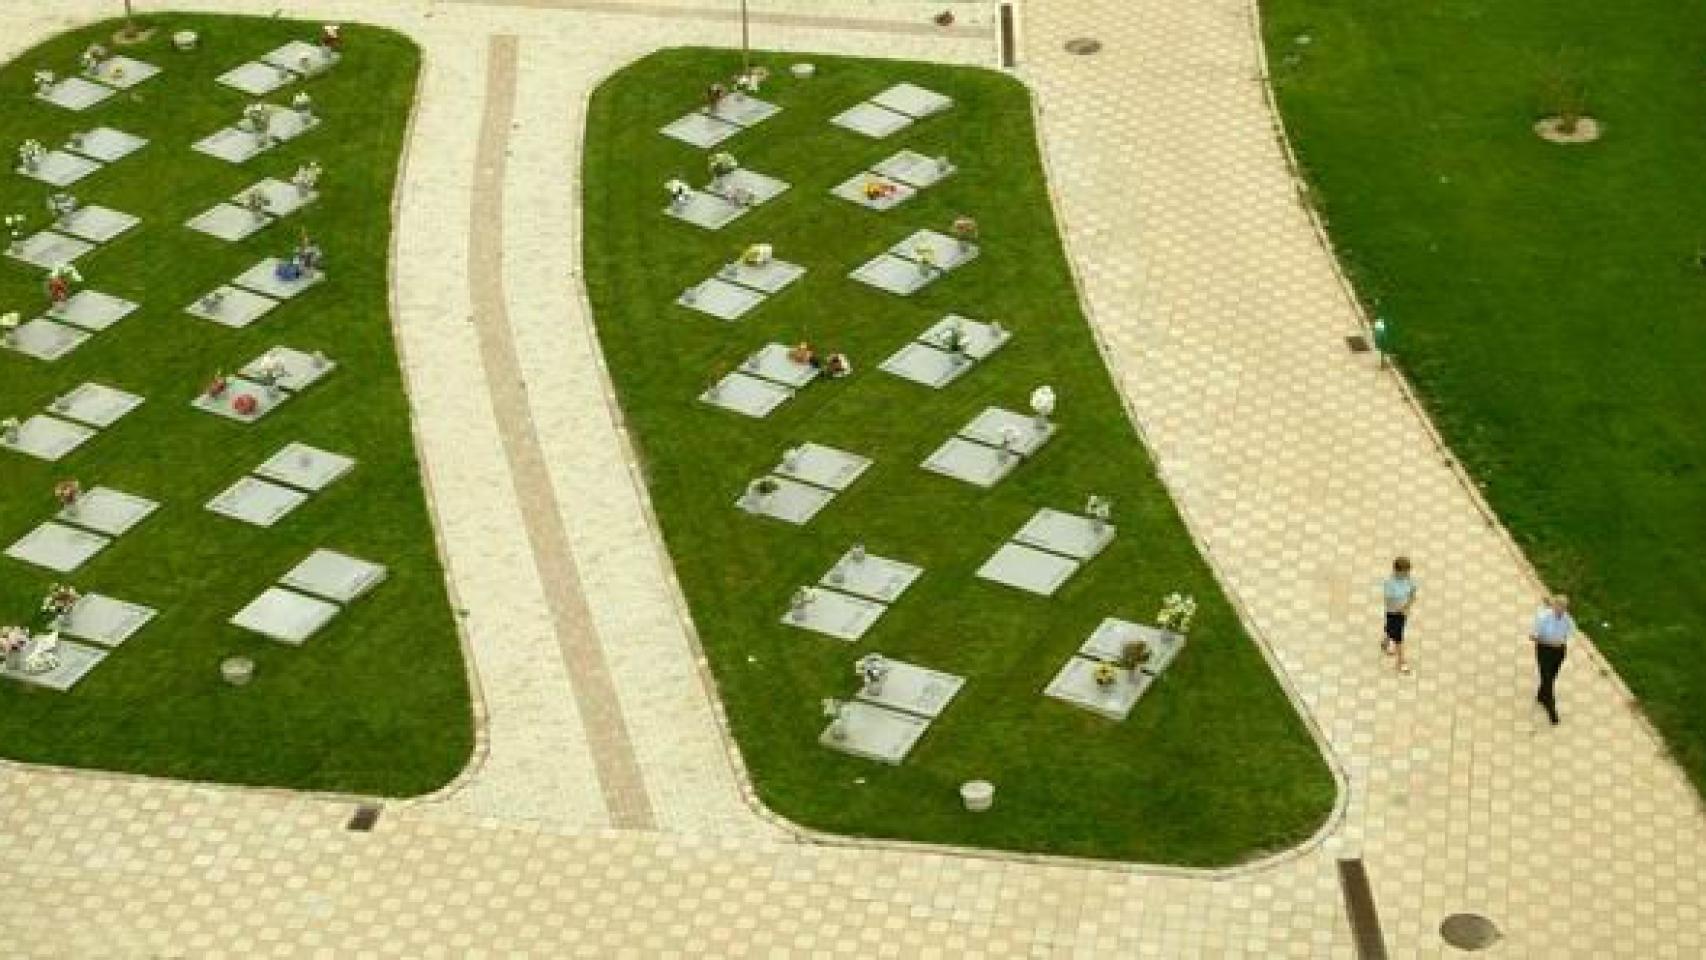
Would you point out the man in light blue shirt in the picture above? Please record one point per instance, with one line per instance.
(1551, 634)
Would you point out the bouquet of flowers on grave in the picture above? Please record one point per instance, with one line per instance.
(9, 429)
(964, 229)
(59, 281)
(1177, 610)
(9, 324)
(954, 337)
(758, 254)
(1134, 654)
(45, 656)
(926, 255)
(678, 190)
(256, 202)
(67, 492)
(217, 386)
(44, 81)
(92, 59)
(56, 606)
(331, 37)
(61, 204)
(12, 640)
(1099, 508)
(722, 164)
(306, 177)
(1106, 674)
(714, 95)
(752, 80)
(878, 189)
(871, 668)
(269, 370)
(65, 272)
(30, 153)
(836, 711)
(14, 226)
(257, 117)
(1009, 441)
(302, 103)
(245, 404)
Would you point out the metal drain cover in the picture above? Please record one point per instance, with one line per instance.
(1083, 46)
(1469, 931)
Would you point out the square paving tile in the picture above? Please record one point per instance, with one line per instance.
(822, 466)
(300, 370)
(1109, 640)
(855, 188)
(871, 120)
(974, 463)
(1065, 533)
(950, 253)
(912, 100)
(285, 615)
(701, 131)
(307, 59)
(922, 363)
(256, 502)
(742, 109)
(57, 547)
(234, 307)
(894, 274)
(747, 186)
(47, 438)
(334, 576)
(104, 620)
(772, 362)
(1076, 684)
(45, 340)
(75, 663)
(877, 578)
(48, 249)
(705, 210)
(228, 222)
(305, 467)
(987, 428)
(720, 299)
(875, 732)
(915, 169)
(255, 78)
(76, 93)
(95, 404)
(1028, 569)
(231, 145)
(769, 278)
(225, 404)
(283, 199)
(792, 502)
(96, 224)
(108, 511)
(913, 689)
(263, 278)
(977, 339)
(838, 615)
(748, 396)
(106, 144)
(61, 169)
(92, 310)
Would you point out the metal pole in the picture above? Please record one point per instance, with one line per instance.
(745, 41)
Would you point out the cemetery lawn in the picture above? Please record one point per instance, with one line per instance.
(377, 702)
(1212, 767)
(1546, 299)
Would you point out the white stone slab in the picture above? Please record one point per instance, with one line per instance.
(106, 621)
(334, 576)
(256, 502)
(700, 130)
(124, 72)
(228, 222)
(237, 307)
(57, 547)
(108, 511)
(47, 438)
(106, 144)
(45, 340)
(307, 59)
(1065, 533)
(1028, 569)
(92, 310)
(894, 274)
(950, 253)
(913, 689)
(1076, 684)
(96, 224)
(922, 363)
(822, 466)
(838, 615)
(747, 187)
(76, 93)
(224, 404)
(263, 278)
(283, 199)
(877, 578)
(978, 339)
(871, 120)
(61, 169)
(95, 404)
(974, 463)
(231, 145)
(742, 109)
(48, 249)
(285, 615)
(705, 210)
(720, 299)
(912, 100)
(255, 78)
(792, 502)
(986, 428)
(300, 370)
(915, 169)
(769, 278)
(748, 396)
(305, 467)
(288, 124)
(75, 663)
(854, 187)
(773, 363)
(1109, 640)
(875, 733)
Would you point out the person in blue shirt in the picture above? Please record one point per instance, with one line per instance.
(1551, 635)
(1400, 593)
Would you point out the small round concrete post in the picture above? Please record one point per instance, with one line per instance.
(237, 670)
(978, 795)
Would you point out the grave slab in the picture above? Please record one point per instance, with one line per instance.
(48, 438)
(748, 396)
(287, 125)
(334, 576)
(986, 428)
(283, 199)
(973, 463)
(854, 189)
(57, 547)
(913, 689)
(106, 621)
(838, 615)
(720, 299)
(874, 577)
(305, 467)
(978, 339)
(237, 308)
(1065, 533)
(263, 278)
(75, 663)
(912, 100)
(255, 78)
(231, 145)
(300, 370)
(60, 169)
(822, 466)
(875, 733)
(285, 615)
(96, 224)
(48, 249)
(792, 502)
(742, 109)
(108, 511)
(228, 222)
(894, 274)
(705, 210)
(45, 340)
(76, 93)
(124, 72)
(773, 363)
(225, 404)
(922, 363)
(915, 169)
(769, 278)
(871, 120)
(950, 253)
(700, 130)
(1076, 684)
(256, 502)
(106, 144)
(1028, 569)
(1111, 636)
(95, 404)
(92, 310)
(307, 59)
(747, 185)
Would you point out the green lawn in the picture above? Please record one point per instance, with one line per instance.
(1545, 298)
(1213, 767)
(378, 702)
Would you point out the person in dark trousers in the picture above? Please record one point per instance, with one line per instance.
(1400, 594)
(1551, 635)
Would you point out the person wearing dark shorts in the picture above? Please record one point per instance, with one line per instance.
(1400, 594)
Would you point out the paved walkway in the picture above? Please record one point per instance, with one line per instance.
(606, 816)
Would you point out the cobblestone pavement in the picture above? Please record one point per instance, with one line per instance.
(606, 816)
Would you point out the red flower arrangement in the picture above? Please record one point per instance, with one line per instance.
(216, 386)
(245, 404)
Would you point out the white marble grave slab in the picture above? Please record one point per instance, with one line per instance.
(283, 199)
(1076, 684)
(305, 467)
(76, 93)
(773, 363)
(256, 502)
(822, 466)
(60, 169)
(1109, 640)
(109, 622)
(307, 59)
(700, 130)
(977, 339)
(747, 187)
(748, 396)
(705, 210)
(57, 547)
(950, 253)
(792, 502)
(974, 463)
(915, 169)
(228, 222)
(1065, 533)
(231, 145)
(871, 120)
(742, 109)
(922, 363)
(45, 340)
(720, 299)
(255, 78)
(877, 578)
(287, 124)
(75, 663)
(285, 615)
(92, 310)
(334, 576)
(853, 188)
(106, 144)
(912, 100)
(47, 438)
(108, 511)
(838, 615)
(894, 274)
(96, 224)
(300, 370)
(237, 307)
(95, 404)
(1028, 569)
(48, 249)
(225, 404)
(769, 278)
(987, 426)
(263, 278)
(875, 733)
(913, 689)
(124, 72)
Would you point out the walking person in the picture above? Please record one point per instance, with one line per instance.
(1551, 634)
(1400, 593)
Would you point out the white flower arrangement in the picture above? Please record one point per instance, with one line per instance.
(954, 338)
(45, 656)
(678, 190)
(722, 164)
(307, 177)
(872, 668)
(256, 202)
(803, 598)
(9, 429)
(1177, 611)
(92, 59)
(30, 154)
(14, 226)
(1099, 508)
(269, 369)
(836, 711)
(758, 255)
(66, 272)
(45, 81)
(302, 103)
(257, 119)
(1043, 402)
(752, 80)
(62, 204)
(1009, 441)
(9, 321)
(13, 639)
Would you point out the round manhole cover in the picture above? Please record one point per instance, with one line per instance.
(1469, 931)
(1083, 46)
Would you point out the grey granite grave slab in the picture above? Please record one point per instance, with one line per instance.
(853, 188)
(705, 210)
(307, 59)
(720, 299)
(1076, 684)
(772, 362)
(334, 576)
(76, 93)
(1065, 533)
(92, 310)
(106, 144)
(742, 109)
(300, 370)
(871, 120)
(1109, 640)
(255, 78)
(700, 130)
(287, 124)
(978, 339)
(75, 663)
(263, 278)
(57, 547)
(912, 100)
(748, 396)
(922, 363)
(915, 169)
(974, 463)
(987, 428)
(894, 274)
(237, 307)
(231, 145)
(225, 404)
(104, 620)
(1028, 569)
(822, 466)
(124, 72)
(96, 224)
(285, 615)
(875, 733)
(228, 222)
(950, 253)
(283, 199)
(913, 689)
(838, 615)
(769, 278)
(47, 438)
(48, 249)
(877, 578)
(256, 502)
(305, 467)
(60, 169)
(793, 502)
(95, 404)
(45, 340)
(108, 511)
(747, 185)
